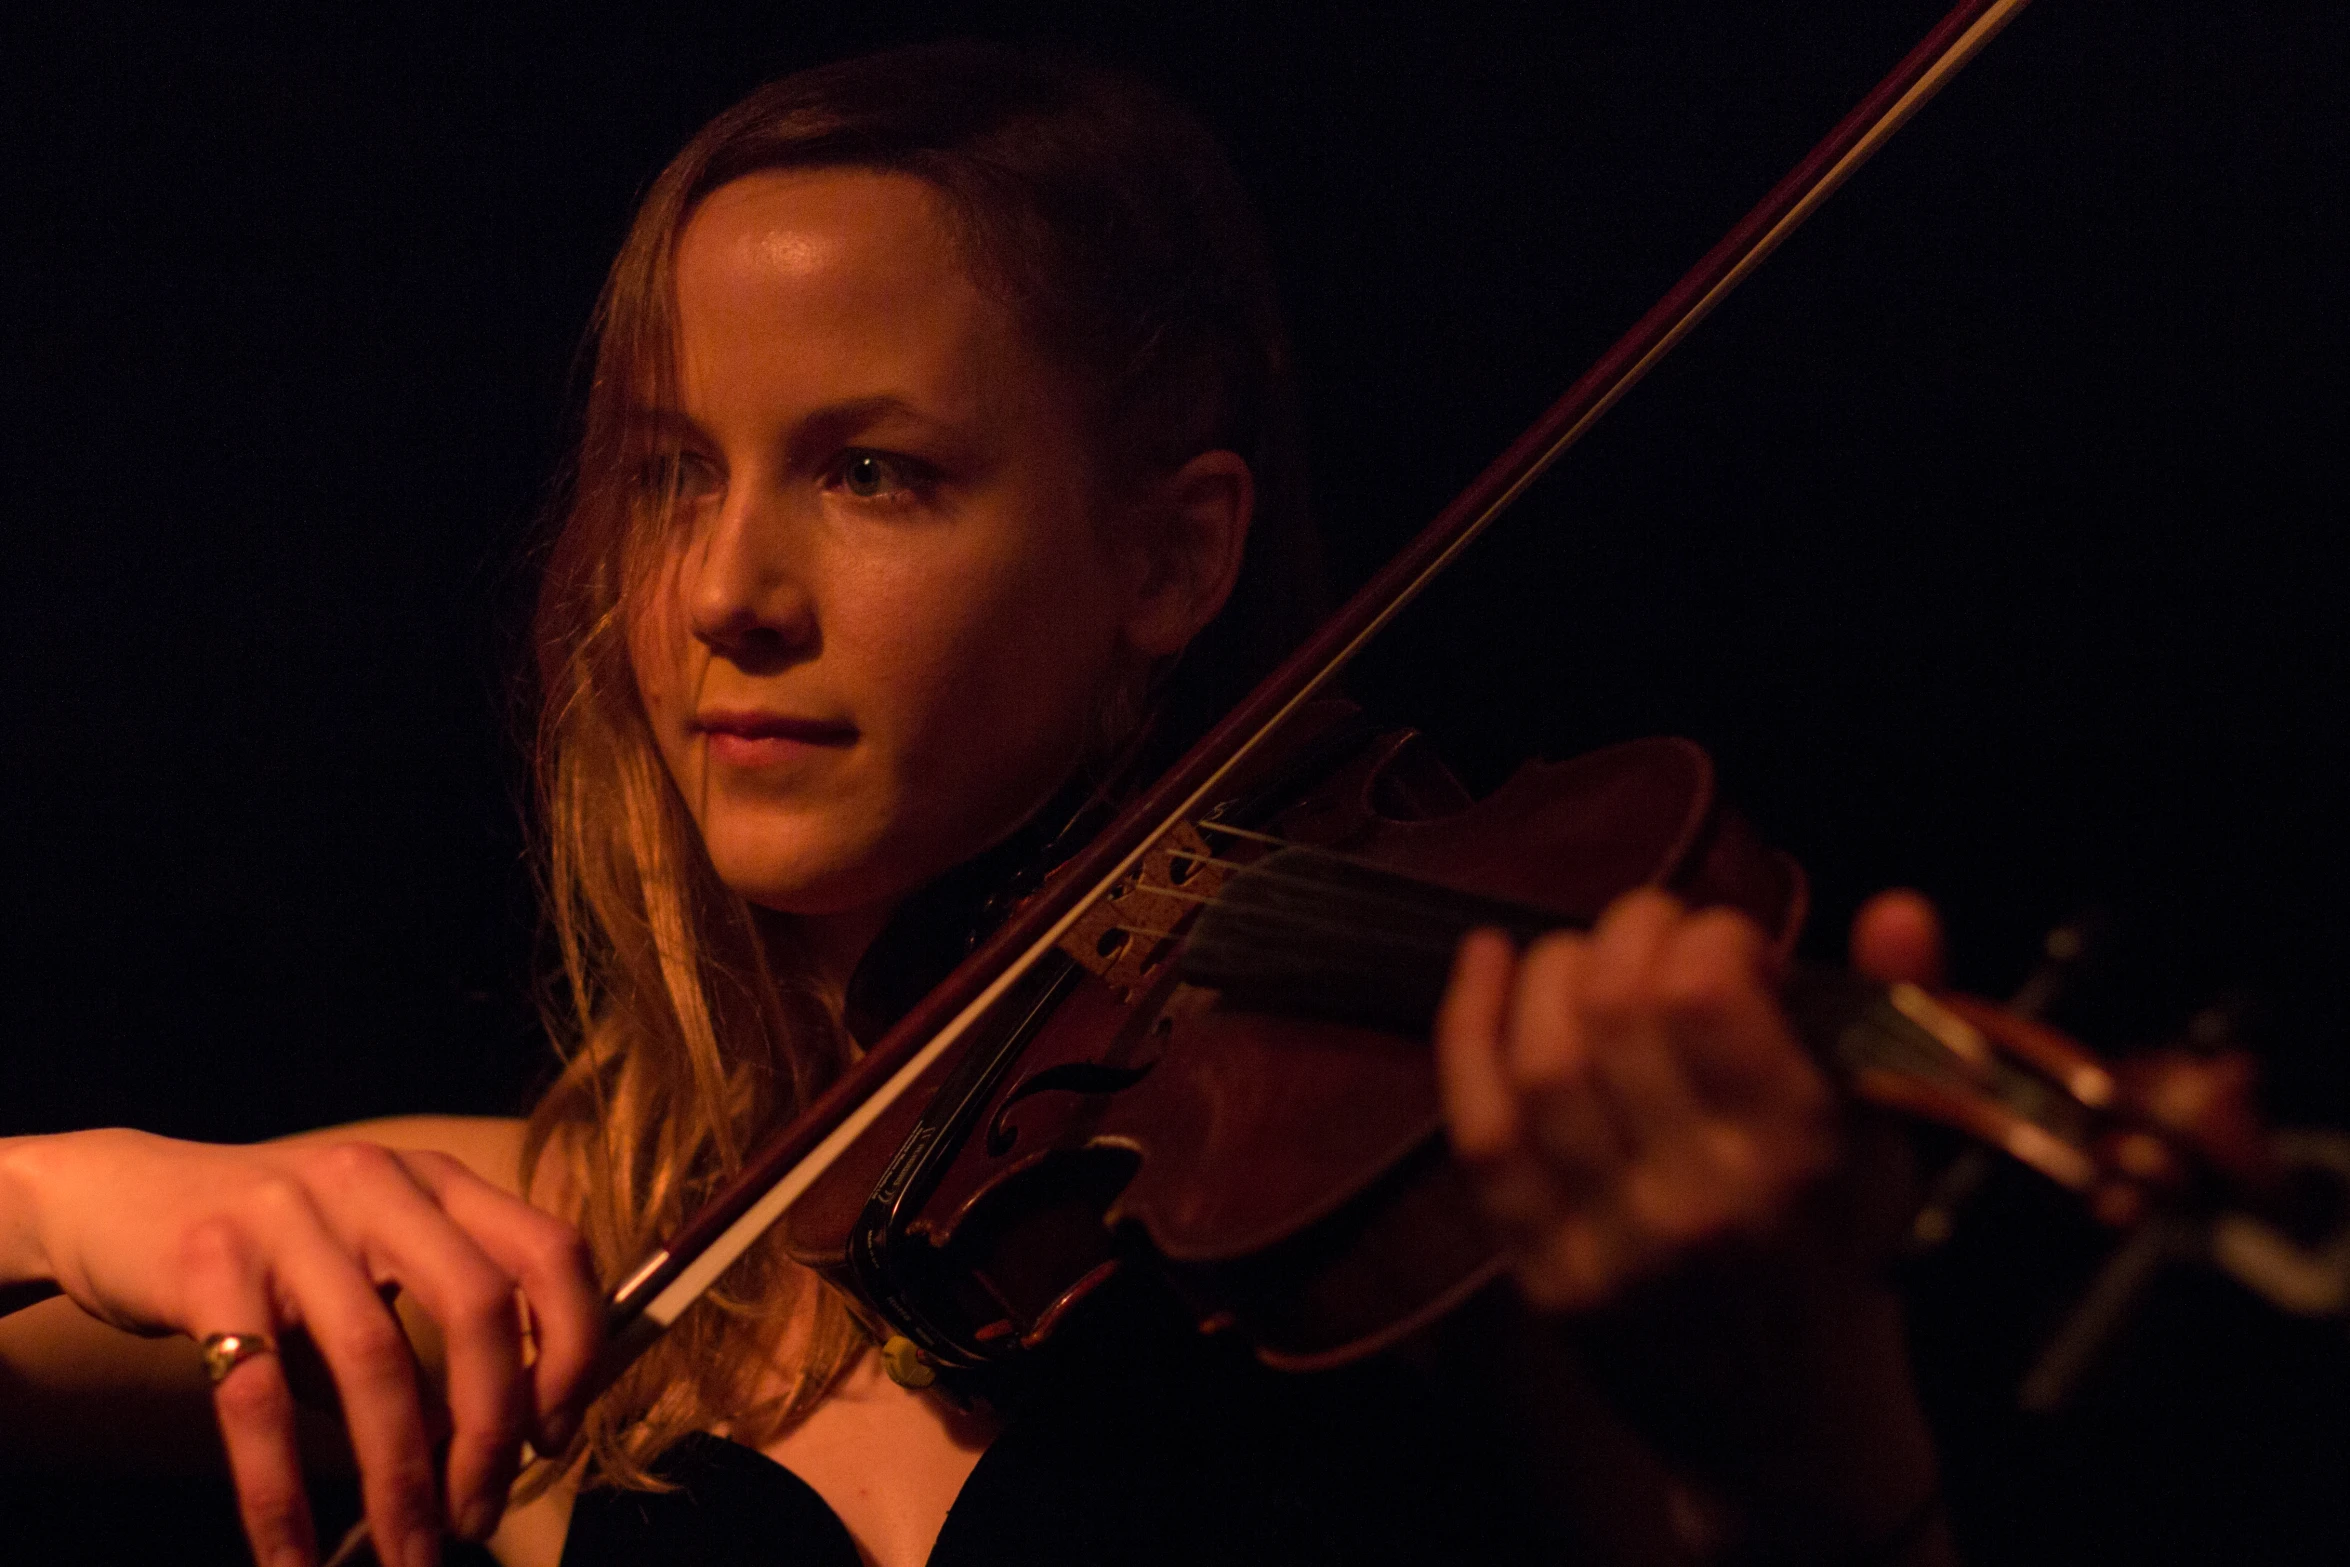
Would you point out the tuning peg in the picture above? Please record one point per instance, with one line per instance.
(2065, 952)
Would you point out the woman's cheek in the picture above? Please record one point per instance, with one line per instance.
(992, 733)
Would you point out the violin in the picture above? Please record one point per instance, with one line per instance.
(1221, 1074)
(1200, 1046)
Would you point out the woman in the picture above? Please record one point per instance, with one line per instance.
(936, 472)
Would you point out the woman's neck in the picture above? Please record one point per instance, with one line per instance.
(836, 943)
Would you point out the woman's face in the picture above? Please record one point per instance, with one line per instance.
(894, 596)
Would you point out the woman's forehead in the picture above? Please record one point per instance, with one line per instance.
(840, 282)
(789, 221)
(818, 287)
(820, 245)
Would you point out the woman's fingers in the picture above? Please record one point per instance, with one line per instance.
(254, 1405)
(1550, 1067)
(301, 1236)
(1639, 1095)
(1626, 945)
(1718, 986)
(476, 1259)
(551, 1262)
(1640, 1002)
(307, 1278)
(1897, 935)
(375, 1376)
(381, 1210)
(1480, 1107)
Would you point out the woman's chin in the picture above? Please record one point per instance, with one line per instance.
(814, 876)
(813, 887)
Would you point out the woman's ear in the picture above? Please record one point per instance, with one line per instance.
(1192, 531)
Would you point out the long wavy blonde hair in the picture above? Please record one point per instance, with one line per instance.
(688, 1020)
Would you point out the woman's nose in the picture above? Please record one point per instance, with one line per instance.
(749, 600)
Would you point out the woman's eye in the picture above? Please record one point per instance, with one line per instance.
(679, 477)
(874, 475)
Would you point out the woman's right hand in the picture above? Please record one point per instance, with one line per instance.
(158, 1236)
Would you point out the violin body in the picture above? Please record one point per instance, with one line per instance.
(1253, 1114)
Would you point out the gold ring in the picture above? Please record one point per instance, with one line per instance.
(224, 1352)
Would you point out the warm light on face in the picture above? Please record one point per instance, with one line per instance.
(888, 609)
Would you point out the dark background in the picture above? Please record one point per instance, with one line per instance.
(1991, 537)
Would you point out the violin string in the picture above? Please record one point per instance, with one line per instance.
(1276, 841)
(1279, 924)
(1257, 867)
(1252, 835)
(1265, 871)
(1357, 939)
(1263, 868)
(1355, 934)
(1367, 939)
(1292, 921)
(1279, 928)
(1369, 902)
(1210, 859)
(1318, 851)
(1145, 930)
(1268, 870)
(1354, 958)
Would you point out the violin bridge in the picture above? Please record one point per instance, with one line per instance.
(1135, 927)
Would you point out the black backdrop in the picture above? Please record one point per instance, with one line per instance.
(1990, 537)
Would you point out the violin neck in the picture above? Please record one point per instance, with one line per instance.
(1313, 933)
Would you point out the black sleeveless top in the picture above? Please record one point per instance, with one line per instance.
(1159, 1451)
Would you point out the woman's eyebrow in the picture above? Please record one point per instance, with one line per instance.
(822, 432)
(817, 436)
(663, 424)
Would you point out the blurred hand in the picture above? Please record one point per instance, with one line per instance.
(1625, 1098)
(158, 1236)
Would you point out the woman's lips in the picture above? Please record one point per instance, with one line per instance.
(746, 739)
